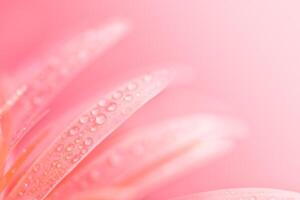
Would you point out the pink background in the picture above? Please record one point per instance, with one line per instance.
(245, 55)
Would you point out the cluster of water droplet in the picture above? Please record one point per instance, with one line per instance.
(82, 136)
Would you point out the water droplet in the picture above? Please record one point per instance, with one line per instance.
(131, 86)
(70, 147)
(69, 156)
(93, 128)
(117, 95)
(88, 141)
(95, 111)
(78, 140)
(102, 103)
(76, 159)
(100, 119)
(59, 147)
(83, 151)
(19, 92)
(58, 165)
(147, 78)
(26, 185)
(128, 98)
(74, 131)
(84, 119)
(112, 107)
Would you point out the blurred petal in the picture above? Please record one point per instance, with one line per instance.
(58, 68)
(244, 194)
(85, 133)
(3, 145)
(5, 127)
(12, 172)
(147, 157)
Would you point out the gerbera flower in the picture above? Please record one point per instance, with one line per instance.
(90, 153)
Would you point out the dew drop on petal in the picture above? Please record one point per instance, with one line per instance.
(95, 111)
(78, 140)
(128, 98)
(102, 103)
(68, 156)
(84, 119)
(131, 86)
(83, 151)
(88, 141)
(26, 185)
(147, 78)
(76, 159)
(59, 147)
(74, 131)
(58, 165)
(111, 107)
(117, 95)
(100, 119)
(93, 128)
(70, 147)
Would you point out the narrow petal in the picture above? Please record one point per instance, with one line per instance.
(3, 145)
(147, 157)
(85, 133)
(5, 126)
(244, 194)
(57, 69)
(12, 172)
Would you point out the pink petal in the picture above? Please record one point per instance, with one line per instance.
(244, 194)
(144, 159)
(58, 68)
(65, 153)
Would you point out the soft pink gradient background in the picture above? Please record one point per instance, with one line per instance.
(245, 54)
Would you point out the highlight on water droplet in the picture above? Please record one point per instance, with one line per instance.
(84, 119)
(128, 97)
(88, 141)
(111, 107)
(132, 86)
(117, 95)
(100, 119)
